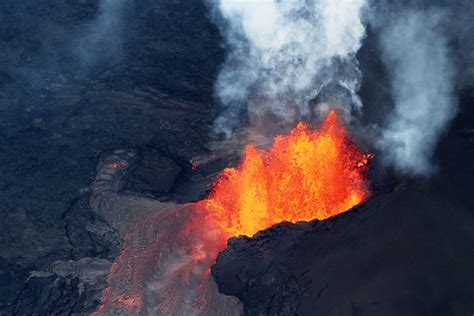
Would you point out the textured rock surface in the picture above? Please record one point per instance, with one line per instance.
(407, 251)
(60, 112)
(163, 268)
(152, 92)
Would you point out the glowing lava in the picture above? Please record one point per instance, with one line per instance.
(305, 175)
(168, 248)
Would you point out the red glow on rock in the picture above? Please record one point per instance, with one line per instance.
(119, 165)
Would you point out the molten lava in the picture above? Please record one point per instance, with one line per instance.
(164, 267)
(307, 174)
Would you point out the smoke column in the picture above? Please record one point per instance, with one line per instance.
(288, 59)
(282, 54)
(416, 54)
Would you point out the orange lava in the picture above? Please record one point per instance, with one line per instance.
(305, 175)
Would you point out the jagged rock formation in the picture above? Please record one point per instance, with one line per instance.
(406, 251)
(396, 255)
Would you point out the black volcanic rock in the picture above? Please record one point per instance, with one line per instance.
(407, 251)
(60, 113)
(153, 94)
(253, 270)
(403, 253)
(155, 174)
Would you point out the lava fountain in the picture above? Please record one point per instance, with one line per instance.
(306, 174)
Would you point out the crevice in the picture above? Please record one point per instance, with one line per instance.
(321, 291)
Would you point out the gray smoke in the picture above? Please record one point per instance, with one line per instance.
(290, 60)
(283, 54)
(103, 37)
(415, 51)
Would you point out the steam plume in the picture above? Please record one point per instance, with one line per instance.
(416, 54)
(103, 39)
(282, 54)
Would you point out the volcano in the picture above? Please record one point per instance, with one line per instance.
(165, 263)
(141, 174)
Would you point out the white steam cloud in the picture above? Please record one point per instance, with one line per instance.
(282, 54)
(416, 54)
(287, 60)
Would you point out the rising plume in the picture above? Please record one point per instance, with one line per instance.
(283, 54)
(416, 53)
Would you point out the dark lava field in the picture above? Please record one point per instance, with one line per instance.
(147, 87)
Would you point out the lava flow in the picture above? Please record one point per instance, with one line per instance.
(164, 269)
(307, 174)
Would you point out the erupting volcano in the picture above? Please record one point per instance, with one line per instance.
(164, 268)
(306, 174)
